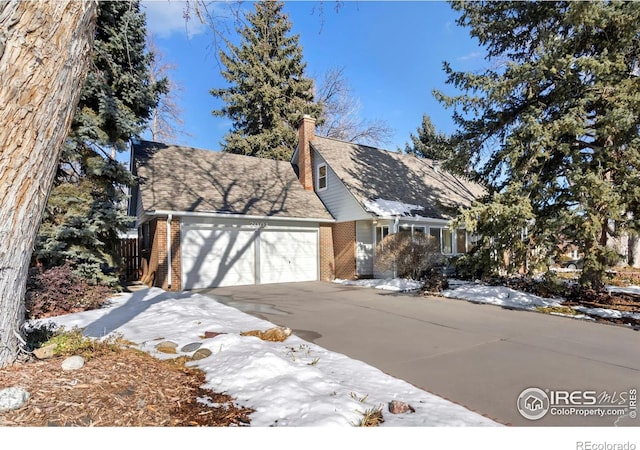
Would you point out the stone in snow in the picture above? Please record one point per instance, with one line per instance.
(398, 407)
(201, 353)
(192, 347)
(211, 334)
(167, 347)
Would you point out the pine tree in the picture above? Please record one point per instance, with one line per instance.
(84, 214)
(429, 143)
(432, 144)
(556, 119)
(268, 91)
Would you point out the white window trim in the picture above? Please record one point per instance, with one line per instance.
(326, 177)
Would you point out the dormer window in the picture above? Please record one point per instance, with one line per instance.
(322, 177)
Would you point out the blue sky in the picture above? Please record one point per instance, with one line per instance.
(392, 53)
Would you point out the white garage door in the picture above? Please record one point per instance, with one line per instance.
(287, 256)
(217, 257)
(213, 257)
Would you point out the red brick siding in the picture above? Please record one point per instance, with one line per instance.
(344, 250)
(158, 261)
(327, 260)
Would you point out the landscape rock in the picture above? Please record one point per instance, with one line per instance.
(398, 407)
(73, 363)
(211, 334)
(45, 352)
(201, 353)
(167, 347)
(13, 398)
(192, 347)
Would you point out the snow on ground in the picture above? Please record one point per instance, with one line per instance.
(624, 290)
(507, 297)
(388, 284)
(498, 295)
(501, 295)
(607, 313)
(290, 383)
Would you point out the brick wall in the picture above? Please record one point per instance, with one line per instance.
(327, 260)
(306, 132)
(344, 250)
(158, 261)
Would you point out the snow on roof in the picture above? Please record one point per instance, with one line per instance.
(390, 208)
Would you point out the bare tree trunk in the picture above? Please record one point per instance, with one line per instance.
(633, 249)
(45, 48)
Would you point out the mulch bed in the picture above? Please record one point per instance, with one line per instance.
(127, 388)
(614, 300)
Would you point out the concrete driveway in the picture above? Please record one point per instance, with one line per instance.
(479, 356)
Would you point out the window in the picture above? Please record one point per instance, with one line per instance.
(420, 230)
(322, 177)
(413, 230)
(445, 237)
(461, 241)
(447, 241)
(435, 233)
(381, 233)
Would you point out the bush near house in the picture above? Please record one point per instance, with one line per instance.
(416, 256)
(59, 290)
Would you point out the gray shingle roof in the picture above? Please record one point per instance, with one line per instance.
(371, 174)
(177, 178)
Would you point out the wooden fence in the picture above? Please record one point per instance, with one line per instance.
(130, 253)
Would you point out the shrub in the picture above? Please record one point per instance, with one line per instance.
(408, 256)
(478, 264)
(73, 342)
(59, 290)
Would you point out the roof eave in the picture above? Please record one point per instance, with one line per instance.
(219, 215)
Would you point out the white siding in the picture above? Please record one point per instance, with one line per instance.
(139, 209)
(338, 200)
(364, 248)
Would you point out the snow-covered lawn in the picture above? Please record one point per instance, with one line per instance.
(290, 383)
(510, 298)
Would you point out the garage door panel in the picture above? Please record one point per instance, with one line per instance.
(288, 256)
(218, 257)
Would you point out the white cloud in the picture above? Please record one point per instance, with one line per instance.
(166, 17)
(471, 56)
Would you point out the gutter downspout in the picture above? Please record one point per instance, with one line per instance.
(169, 219)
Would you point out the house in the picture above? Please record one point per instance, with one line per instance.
(372, 192)
(208, 219)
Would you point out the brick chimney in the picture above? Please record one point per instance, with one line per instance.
(306, 133)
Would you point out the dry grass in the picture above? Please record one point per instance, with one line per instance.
(371, 417)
